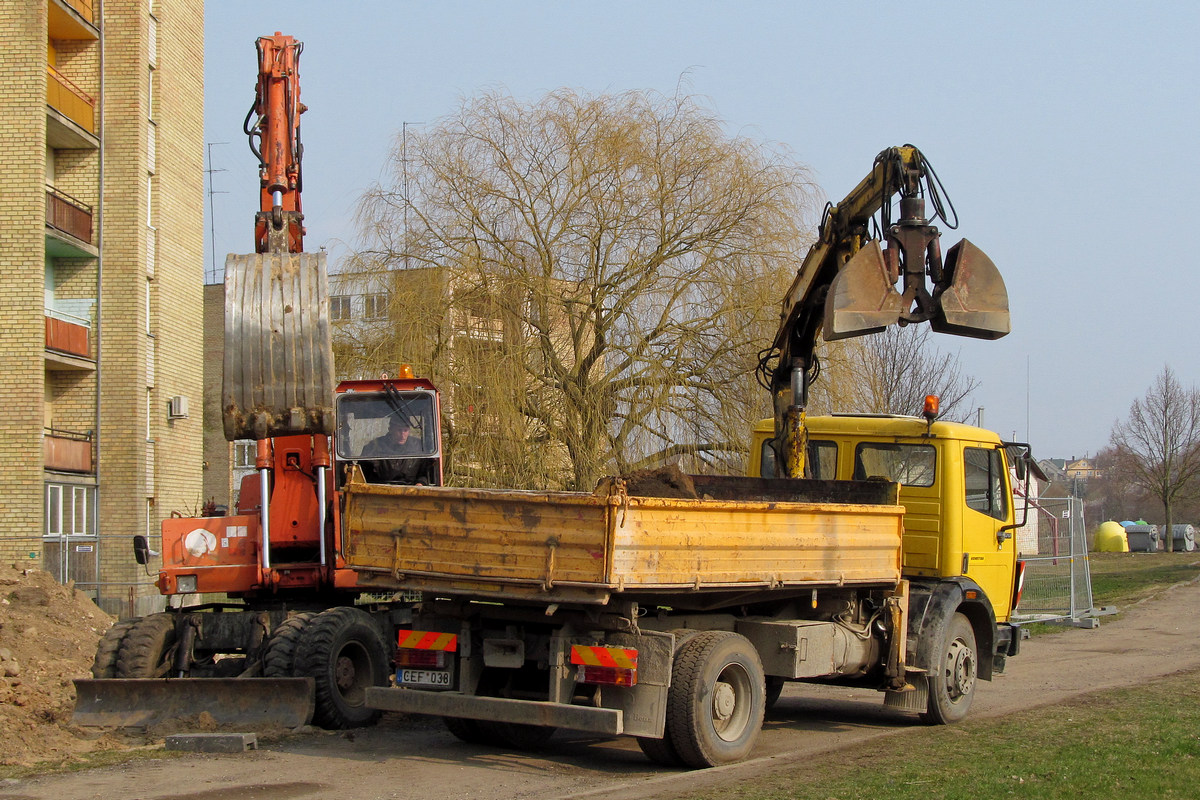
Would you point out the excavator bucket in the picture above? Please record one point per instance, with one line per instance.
(278, 354)
(146, 702)
(861, 299)
(975, 303)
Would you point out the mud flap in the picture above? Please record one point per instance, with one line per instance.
(145, 702)
(278, 350)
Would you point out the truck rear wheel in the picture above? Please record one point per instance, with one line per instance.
(343, 651)
(661, 751)
(952, 686)
(148, 649)
(716, 702)
(104, 665)
(279, 658)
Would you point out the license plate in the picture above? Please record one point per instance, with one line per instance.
(423, 677)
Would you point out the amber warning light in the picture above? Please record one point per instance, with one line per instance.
(930, 411)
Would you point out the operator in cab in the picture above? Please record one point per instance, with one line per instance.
(395, 455)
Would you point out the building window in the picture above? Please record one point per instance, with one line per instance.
(375, 306)
(339, 308)
(70, 510)
(244, 454)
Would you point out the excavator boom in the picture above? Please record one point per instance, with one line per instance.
(278, 350)
(849, 285)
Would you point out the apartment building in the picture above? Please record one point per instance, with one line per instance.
(101, 242)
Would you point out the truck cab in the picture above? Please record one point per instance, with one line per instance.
(955, 486)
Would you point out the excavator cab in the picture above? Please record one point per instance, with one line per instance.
(390, 428)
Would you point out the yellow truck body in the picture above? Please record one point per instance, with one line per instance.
(583, 548)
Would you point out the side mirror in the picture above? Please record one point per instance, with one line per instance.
(1021, 466)
(141, 550)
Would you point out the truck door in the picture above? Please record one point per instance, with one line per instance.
(988, 559)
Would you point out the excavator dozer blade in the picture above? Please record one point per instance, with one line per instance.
(975, 303)
(861, 299)
(146, 702)
(278, 352)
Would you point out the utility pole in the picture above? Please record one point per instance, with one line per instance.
(212, 225)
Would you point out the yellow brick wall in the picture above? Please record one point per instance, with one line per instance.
(218, 454)
(22, 242)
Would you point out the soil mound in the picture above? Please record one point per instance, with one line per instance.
(669, 481)
(48, 635)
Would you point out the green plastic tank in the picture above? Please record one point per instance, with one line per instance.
(1110, 538)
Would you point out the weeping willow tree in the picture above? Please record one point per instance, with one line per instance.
(588, 277)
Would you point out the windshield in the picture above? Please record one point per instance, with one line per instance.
(374, 425)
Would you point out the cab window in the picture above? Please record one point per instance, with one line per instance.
(983, 472)
(821, 463)
(906, 464)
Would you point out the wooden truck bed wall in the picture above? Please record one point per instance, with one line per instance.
(743, 533)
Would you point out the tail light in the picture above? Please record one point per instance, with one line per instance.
(612, 666)
(1018, 584)
(424, 648)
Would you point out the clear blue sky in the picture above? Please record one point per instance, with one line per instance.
(1066, 134)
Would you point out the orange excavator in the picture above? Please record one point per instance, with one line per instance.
(290, 637)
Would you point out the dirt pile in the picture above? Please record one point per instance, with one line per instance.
(668, 481)
(48, 635)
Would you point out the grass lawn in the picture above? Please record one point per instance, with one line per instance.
(1141, 742)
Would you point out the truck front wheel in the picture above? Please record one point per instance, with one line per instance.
(716, 702)
(952, 686)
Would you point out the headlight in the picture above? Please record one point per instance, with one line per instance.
(186, 584)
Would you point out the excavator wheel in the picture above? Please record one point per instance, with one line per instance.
(104, 665)
(279, 660)
(148, 649)
(343, 651)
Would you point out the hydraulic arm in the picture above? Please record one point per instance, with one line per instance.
(850, 285)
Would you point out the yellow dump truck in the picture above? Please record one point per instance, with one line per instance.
(678, 619)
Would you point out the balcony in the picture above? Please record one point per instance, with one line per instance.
(69, 100)
(69, 337)
(72, 19)
(66, 451)
(65, 213)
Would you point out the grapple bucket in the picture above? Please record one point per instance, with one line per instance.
(146, 702)
(278, 354)
(976, 301)
(862, 299)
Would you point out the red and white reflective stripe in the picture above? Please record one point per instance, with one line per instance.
(428, 640)
(1019, 586)
(617, 657)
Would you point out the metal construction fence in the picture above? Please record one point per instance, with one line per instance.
(1058, 581)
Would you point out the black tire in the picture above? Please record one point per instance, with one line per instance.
(343, 651)
(516, 735)
(467, 730)
(952, 687)
(774, 689)
(716, 702)
(279, 657)
(148, 649)
(661, 751)
(104, 665)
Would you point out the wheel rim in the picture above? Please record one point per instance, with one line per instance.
(960, 670)
(731, 700)
(352, 673)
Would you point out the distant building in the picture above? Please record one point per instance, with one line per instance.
(101, 138)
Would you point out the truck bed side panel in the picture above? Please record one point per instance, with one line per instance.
(478, 534)
(689, 543)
